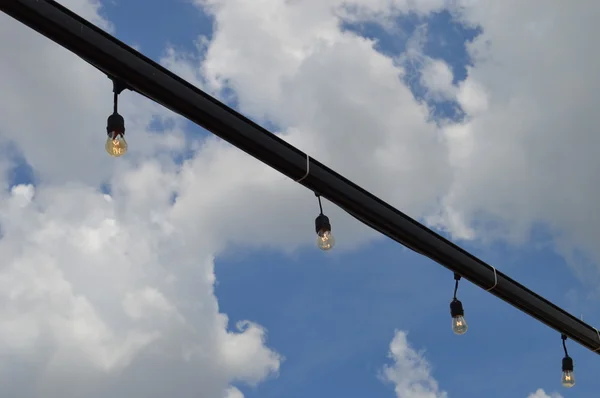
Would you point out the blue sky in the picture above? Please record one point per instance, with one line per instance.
(333, 315)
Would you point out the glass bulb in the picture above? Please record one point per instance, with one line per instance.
(325, 240)
(459, 325)
(568, 378)
(116, 145)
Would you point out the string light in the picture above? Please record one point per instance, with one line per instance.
(459, 325)
(325, 240)
(568, 377)
(115, 127)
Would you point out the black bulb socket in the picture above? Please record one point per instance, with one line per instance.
(456, 308)
(322, 224)
(567, 364)
(115, 124)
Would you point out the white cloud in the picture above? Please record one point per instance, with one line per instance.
(59, 111)
(115, 295)
(437, 78)
(542, 394)
(87, 289)
(532, 128)
(104, 295)
(335, 96)
(410, 372)
(525, 155)
(233, 392)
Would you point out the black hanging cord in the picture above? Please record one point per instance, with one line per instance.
(118, 87)
(456, 278)
(564, 340)
(320, 205)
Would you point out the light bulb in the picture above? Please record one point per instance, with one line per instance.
(325, 240)
(116, 145)
(568, 378)
(459, 325)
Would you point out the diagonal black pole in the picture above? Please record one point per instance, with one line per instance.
(148, 78)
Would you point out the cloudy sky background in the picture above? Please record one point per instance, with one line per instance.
(189, 269)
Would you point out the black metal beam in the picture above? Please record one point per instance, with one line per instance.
(155, 82)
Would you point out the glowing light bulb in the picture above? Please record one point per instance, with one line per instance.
(116, 145)
(459, 325)
(325, 240)
(568, 377)
(115, 127)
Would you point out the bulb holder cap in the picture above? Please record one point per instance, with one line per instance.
(322, 224)
(115, 124)
(567, 364)
(456, 308)
(118, 85)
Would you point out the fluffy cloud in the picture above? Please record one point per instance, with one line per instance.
(526, 155)
(523, 157)
(104, 294)
(411, 375)
(410, 372)
(542, 394)
(333, 95)
(233, 392)
(54, 116)
(91, 290)
(101, 295)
